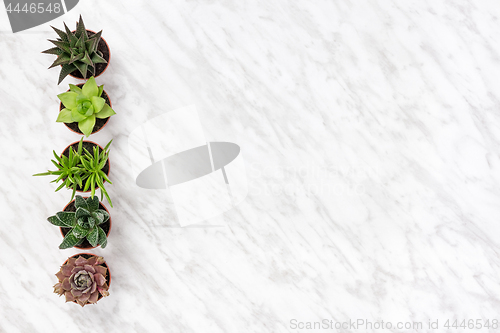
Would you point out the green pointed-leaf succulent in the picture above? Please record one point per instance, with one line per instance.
(69, 170)
(93, 163)
(83, 169)
(76, 51)
(85, 223)
(84, 105)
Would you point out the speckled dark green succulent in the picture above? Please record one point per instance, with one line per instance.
(84, 223)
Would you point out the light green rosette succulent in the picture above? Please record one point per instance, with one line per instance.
(84, 105)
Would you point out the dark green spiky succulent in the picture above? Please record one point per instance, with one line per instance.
(76, 51)
(84, 223)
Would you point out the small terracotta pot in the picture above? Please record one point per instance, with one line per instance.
(68, 229)
(107, 165)
(102, 44)
(103, 122)
(90, 255)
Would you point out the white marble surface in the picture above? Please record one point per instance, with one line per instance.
(370, 131)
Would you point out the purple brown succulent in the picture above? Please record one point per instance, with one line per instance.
(82, 280)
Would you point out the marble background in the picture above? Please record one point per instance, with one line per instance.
(370, 131)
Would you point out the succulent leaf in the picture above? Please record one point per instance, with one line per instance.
(71, 36)
(91, 222)
(67, 218)
(65, 284)
(80, 232)
(58, 222)
(80, 44)
(105, 112)
(97, 59)
(61, 59)
(86, 125)
(61, 45)
(86, 59)
(82, 212)
(68, 99)
(83, 222)
(64, 116)
(82, 67)
(75, 57)
(69, 240)
(91, 44)
(54, 50)
(103, 240)
(69, 296)
(98, 217)
(98, 103)
(93, 203)
(87, 184)
(65, 70)
(104, 214)
(74, 88)
(80, 28)
(81, 202)
(77, 116)
(62, 34)
(90, 88)
(93, 237)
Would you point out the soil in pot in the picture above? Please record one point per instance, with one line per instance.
(99, 123)
(99, 68)
(106, 226)
(90, 255)
(89, 145)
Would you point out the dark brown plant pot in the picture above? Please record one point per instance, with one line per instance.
(99, 68)
(89, 145)
(87, 256)
(99, 123)
(106, 226)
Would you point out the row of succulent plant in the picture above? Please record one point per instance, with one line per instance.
(83, 166)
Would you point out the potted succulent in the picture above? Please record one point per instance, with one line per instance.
(86, 108)
(80, 170)
(83, 279)
(84, 223)
(80, 53)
